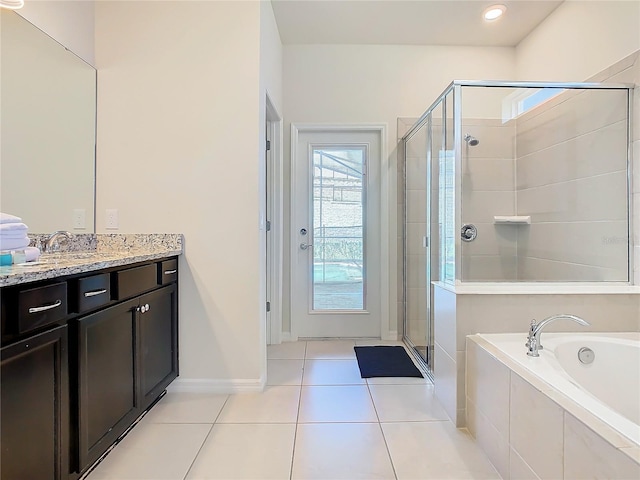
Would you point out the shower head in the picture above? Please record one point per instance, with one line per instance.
(473, 141)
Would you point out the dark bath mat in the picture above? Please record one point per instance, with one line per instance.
(385, 361)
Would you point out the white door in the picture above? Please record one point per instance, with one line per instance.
(336, 233)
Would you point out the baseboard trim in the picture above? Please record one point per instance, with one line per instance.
(209, 385)
(287, 337)
(391, 335)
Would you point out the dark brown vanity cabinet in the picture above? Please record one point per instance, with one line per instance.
(127, 356)
(104, 349)
(34, 405)
(106, 381)
(157, 334)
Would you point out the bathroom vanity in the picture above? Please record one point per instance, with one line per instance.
(89, 342)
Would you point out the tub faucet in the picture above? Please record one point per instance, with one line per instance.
(533, 340)
(53, 239)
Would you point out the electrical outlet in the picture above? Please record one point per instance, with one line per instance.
(112, 219)
(79, 218)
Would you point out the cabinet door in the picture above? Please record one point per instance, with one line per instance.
(158, 342)
(34, 404)
(106, 379)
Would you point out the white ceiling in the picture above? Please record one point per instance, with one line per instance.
(402, 22)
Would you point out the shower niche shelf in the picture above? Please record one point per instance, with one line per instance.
(512, 219)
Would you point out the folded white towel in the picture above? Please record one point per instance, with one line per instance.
(12, 236)
(13, 227)
(6, 218)
(32, 254)
(14, 243)
(19, 231)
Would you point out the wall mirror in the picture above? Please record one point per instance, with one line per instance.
(47, 132)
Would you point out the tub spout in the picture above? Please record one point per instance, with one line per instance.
(535, 330)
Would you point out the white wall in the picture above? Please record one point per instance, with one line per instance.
(69, 22)
(270, 56)
(271, 87)
(578, 40)
(376, 84)
(179, 113)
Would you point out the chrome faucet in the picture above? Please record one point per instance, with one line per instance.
(53, 239)
(533, 340)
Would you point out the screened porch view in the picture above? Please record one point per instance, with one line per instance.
(338, 228)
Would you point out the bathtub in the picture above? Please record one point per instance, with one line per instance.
(609, 387)
(599, 400)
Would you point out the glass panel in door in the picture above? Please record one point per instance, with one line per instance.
(416, 254)
(338, 228)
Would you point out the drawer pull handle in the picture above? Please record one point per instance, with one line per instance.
(44, 308)
(95, 292)
(170, 272)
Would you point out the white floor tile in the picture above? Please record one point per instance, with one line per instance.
(276, 404)
(339, 451)
(284, 372)
(287, 351)
(406, 403)
(241, 452)
(423, 450)
(332, 372)
(186, 408)
(343, 427)
(330, 349)
(153, 451)
(345, 403)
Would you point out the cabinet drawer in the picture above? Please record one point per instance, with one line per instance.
(136, 280)
(41, 306)
(93, 292)
(167, 271)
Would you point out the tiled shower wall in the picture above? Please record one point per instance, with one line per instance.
(628, 71)
(537, 178)
(571, 178)
(488, 190)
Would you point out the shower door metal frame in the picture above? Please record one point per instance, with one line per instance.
(457, 85)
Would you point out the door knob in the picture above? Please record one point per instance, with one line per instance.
(304, 246)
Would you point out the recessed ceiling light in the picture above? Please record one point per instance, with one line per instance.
(494, 12)
(12, 4)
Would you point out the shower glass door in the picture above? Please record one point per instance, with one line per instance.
(424, 150)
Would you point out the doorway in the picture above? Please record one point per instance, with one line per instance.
(336, 286)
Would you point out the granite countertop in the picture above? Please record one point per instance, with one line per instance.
(88, 253)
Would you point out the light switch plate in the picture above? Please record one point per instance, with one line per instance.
(79, 218)
(111, 219)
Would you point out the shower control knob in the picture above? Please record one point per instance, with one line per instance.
(468, 232)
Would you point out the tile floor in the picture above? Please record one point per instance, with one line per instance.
(316, 419)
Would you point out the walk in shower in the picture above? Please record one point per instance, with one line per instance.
(514, 182)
